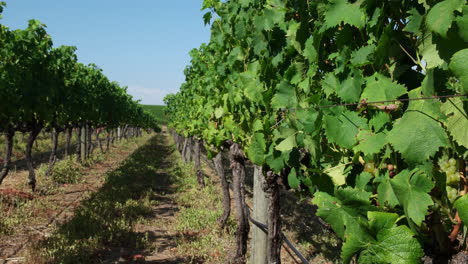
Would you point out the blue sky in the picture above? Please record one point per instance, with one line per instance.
(141, 44)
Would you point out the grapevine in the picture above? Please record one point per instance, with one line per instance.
(270, 68)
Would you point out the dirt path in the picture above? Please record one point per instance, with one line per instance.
(158, 226)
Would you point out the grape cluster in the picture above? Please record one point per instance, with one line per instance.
(449, 167)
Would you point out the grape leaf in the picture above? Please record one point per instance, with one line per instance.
(348, 207)
(306, 119)
(440, 17)
(362, 180)
(330, 84)
(309, 51)
(458, 67)
(457, 121)
(342, 11)
(411, 189)
(257, 125)
(462, 22)
(360, 57)
(337, 174)
(417, 137)
(461, 204)
(430, 108)
(285, 96)
(428, 50)
(414, 21)
(342, 127)
(219, 112)
(257, 148)
(379, 121)
(381, 88)
(370, 143)
(350, 88)
(293, 181)
(287, 144)
(387, 242)
(385, 193)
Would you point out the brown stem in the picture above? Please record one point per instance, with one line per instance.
(68, 141)
(238, 176)
(29, 161)
(98, 132)
(218, 164)
(200, 177)
(9, 149)
(78, 145)
(53, 154)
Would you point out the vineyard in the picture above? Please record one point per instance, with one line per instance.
(360, 105)
(328, 131)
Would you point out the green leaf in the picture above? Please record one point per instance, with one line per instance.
(341, 11)
(462, 22)
(347, 208)
(342, 127)
(257, 125)
(311, 146)
(414, 21)
(337, 174)
(430, 108)
(361, 56)
(330, 84)
(457, 120)
(429, 53)
(309, 51)
(257, 148)
(287, 144)
(417, 137)
(461, 204)
(412, 188)
(350, 88)
(381, 88)
(306, 119)
(428, 86)
(379, 121)
(440, 17)
(458, 66)
(293, 181)
(385, 193)
(363, 179)
(219, 112)
(207, 18)
(285, 96)
(370, 143)
(387, 244)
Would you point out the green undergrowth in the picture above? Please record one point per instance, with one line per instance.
(200, 237)
(105, 220)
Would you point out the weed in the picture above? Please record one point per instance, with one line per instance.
(197, 219)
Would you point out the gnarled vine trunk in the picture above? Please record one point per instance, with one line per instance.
(184, 150)
(218, 164)
(29, 161)
(272, 189)
(53, 155)
(68, 141)
(9, 134)
(200, 177)
(238, 176)
(78, 144)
